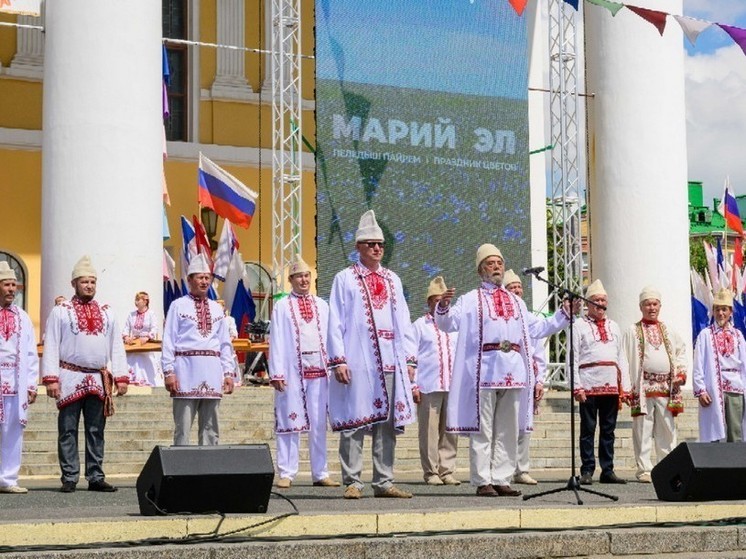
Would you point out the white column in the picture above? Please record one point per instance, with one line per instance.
(101, 149)
(28, 61)
(638, 167)
(537, 108)
(230, 81)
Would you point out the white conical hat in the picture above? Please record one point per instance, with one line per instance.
(723, 298)
(84, 268)
(487, 250)
(6, 273)
(596, 288)
(298, 266)
(437, 287)
(649, 292)
(198, 265)
(511, 277)
(368, 229)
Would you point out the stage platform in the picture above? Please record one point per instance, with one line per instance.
(46, 517)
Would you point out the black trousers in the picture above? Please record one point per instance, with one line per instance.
(602, 410)
(92, 409)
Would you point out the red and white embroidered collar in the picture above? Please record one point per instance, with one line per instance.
(8, 321)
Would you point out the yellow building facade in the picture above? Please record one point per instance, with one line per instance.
(223, 109)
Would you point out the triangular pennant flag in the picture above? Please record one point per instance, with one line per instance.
(737, 34)
(692, 27)
(573, 3)
(613, 7)
(518, 5)
(658, 19)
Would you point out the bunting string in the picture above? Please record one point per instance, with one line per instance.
(692, 27)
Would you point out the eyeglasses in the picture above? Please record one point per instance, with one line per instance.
(374, 244)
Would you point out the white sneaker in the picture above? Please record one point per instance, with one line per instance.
(434, 480)
(644, 477)
(13, 489)
(524, 478)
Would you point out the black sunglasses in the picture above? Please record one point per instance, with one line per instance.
(374, 244)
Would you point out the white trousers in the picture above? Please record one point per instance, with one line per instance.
(11, 443)
(658, 424)
(522, 463)
(317, 396)
(493, 450)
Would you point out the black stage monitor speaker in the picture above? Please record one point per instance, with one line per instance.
(702, 472)
(201, 479)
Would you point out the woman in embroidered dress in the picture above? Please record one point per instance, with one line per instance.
(140, 327)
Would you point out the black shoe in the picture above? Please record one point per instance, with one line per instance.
(68, 487)
(586, 479)
(102, 486)
(611, 478)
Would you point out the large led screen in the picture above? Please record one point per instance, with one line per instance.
(422, 116)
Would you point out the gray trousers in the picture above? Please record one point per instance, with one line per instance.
(733, 416)
(94, 421)
(384, 446)
(207, 423)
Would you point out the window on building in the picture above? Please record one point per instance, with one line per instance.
(20, 270)
(175, 27)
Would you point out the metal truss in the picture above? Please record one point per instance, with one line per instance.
(286, 135)
(566, 194)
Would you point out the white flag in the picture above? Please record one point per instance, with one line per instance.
(692, 27)
(225, 251)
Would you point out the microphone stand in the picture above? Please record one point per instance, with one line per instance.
(573, 484)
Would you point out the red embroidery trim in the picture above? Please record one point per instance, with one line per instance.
(377, 288)
(724, 342)
(8, 323)
(139, 321)
(89, 317)
(653, 334)
(602, 333)
(204, 319)
(305, 307)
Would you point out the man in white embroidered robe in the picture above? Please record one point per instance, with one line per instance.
(657, 370)
(197, 358)
(719, 375)
(435, 350)
(372, 354)
(531, 396)
(601, 380)
(491, 369)
(298, 373)
(19, 375)
(83, 358)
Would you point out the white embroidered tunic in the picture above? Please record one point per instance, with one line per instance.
(494, 347)
(719, 368)
(141, 325)
(80, 340)
(19, 363)
(601, 367)
(197, 347)
(656, 356)
(297, 342)
(371, 332)
(435, 351)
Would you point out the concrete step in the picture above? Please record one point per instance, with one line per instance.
(143, 420)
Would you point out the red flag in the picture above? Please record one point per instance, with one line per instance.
(653, 16)
(518, 5)
(203, 245)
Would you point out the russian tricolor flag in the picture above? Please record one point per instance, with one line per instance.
(225, 194)
(729, 210)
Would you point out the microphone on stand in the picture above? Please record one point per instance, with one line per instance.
(532, 271)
